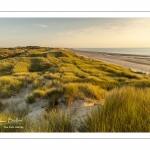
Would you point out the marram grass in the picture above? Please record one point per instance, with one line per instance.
(52, 73)
(125, 110)
(53, 121)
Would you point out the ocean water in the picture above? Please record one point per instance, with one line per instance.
(135, 51)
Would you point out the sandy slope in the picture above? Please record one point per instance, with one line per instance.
(18, 103)
(35, 110)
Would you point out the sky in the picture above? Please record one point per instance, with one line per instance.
(75, 32)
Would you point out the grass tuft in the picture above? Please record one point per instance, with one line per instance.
(53, 121)
(30, 99)
(54, 94)
(84, 91)
(9, 86)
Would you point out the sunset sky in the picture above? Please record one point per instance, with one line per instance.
(75, 32)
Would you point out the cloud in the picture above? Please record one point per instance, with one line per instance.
(43, 25)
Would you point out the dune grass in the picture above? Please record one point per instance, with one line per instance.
(54, 94)
(53, 73)
(38, 83)
(21, 67)
(10, 52)
(9, 125)
(50, 75)
(1, 105)
(83, 91)
(125, 110)
(9, 86)
(30, 99)
(52, 121)
(39, 93)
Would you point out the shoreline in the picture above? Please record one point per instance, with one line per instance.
(137, 63)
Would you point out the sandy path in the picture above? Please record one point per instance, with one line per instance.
(134, 62)
(18, 102)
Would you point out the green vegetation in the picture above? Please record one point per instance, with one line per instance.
(85, 91)
(30, 98)
(9, 86)
(125, 110)
(39, 93)
(1, 105)
(54, 74)
(10, 52)
(4, 127)
(54, 94)
(38, 83)
(53, 121)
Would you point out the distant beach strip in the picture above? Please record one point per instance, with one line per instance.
(137, 63)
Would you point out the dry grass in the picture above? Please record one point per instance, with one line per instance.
(38, 83)
(39, 93)
(9, 86)
(54, 94)
(52, 121)
(125, 110)
(84, 91)
(30, 99)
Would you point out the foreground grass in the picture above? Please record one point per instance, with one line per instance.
(125, 110)
(53, 121)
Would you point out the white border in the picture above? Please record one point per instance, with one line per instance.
(73, 135)
(74, 5)
(74, 14)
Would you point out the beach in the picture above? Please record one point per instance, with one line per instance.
(137, 63)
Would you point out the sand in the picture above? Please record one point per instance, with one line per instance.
(17, 102)
(137, 63)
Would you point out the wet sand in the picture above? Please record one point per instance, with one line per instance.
(138, 63)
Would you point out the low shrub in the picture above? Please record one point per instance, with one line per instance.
(53, 95)
(39, 93)
(30, 99)
(38, 83)
(1, 105)
(48, 85)
(56, 83)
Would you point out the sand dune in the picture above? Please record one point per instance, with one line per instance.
(135, 62)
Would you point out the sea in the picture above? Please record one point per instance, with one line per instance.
(134, 51)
